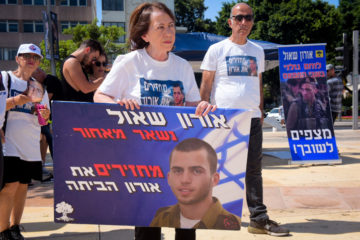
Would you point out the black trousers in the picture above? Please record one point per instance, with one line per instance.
(154, 233)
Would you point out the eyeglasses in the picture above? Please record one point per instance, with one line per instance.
(28, 56)
(240, 17)
(98, 64)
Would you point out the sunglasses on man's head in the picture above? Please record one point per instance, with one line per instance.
(98, 64)
(240, 17)
(28, 56)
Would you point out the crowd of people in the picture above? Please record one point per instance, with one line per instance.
(25, 95)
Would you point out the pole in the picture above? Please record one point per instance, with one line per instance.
(52, 60)
(355, 111)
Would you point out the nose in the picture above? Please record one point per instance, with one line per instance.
(169, 31)
(186, 177)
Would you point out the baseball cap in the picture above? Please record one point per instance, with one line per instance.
(29, 48)
(329, 66)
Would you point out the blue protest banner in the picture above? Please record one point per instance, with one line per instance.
(111, 165)
(306, 104)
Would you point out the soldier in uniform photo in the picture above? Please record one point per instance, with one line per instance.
(192, 176)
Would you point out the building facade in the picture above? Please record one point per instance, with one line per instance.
(117, 12)
(21, 22)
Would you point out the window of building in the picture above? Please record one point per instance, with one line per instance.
(118, 24)
(39, 26)
(64, 24)
(28, 26)
(37, 2)
(73, 3)
(3, 26)
(13, 26)
(113, 5)
(8, 54)
(8, 26)
(8, 1)
(33, 26)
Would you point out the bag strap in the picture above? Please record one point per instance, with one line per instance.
(8, 95)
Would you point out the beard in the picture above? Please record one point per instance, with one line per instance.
(86, 64)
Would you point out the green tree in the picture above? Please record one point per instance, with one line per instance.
(221, 25)
(107, 36)
(190, 14)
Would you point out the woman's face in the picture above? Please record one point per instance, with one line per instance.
(28, 62)
(161, 32)
(99, 66)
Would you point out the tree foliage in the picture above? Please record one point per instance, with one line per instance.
(107, 36)
(190, 14)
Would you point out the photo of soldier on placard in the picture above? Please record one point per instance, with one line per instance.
(192, 176)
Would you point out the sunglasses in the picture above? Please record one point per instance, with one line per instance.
(98, 64)
(240, 17)
(28, 56)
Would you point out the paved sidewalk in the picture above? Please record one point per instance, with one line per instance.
(313, 201)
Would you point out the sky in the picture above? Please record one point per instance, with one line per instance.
(214, 6)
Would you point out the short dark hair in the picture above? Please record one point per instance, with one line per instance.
(93, 44)
(140, 22)
(194, 144)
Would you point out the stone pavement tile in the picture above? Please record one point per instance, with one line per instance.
(351, 196)
(313, 197)
(273, 198)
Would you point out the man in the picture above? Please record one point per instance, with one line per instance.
(228, 84)
(178, 96)
(335, 89)
(76, 84)
(192, 177)
(310, 112)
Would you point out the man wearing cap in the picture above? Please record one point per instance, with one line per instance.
(75, 81)
(22, 159)
(335, 89)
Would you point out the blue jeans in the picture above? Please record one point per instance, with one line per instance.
(253, 179)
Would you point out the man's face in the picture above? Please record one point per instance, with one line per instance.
(89, 57)
(331, 72)
(308, 92)
(252, 65)
(241, 28)
(295, 89)
(190, 178)
(178, 96)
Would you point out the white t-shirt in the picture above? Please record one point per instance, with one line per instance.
(236, 83)
(138, 76)
(3, 96)
(22, 135)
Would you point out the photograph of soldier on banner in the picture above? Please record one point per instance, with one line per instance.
(306, 103)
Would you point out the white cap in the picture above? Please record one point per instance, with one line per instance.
(29, 48)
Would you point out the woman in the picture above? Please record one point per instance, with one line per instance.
(98, 67)
(22, 160)
(152, 36)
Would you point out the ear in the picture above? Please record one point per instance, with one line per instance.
(216, 179)
(229, 21)
(145, 37)
(168, 175)
(87, 49)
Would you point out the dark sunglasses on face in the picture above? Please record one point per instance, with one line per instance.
(240, 17)
(98, 64)
(28, 56)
